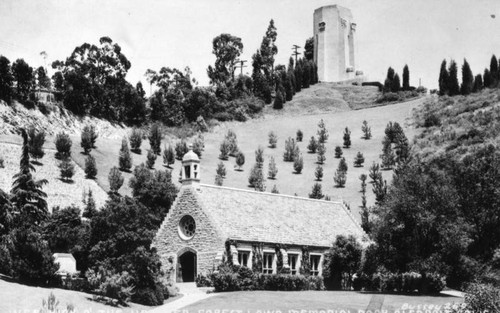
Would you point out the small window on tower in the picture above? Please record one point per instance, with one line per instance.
(187, 171)
(322, 26)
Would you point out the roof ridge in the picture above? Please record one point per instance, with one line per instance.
(271, 194)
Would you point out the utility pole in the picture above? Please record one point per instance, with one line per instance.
(241, 66)
(295, 52)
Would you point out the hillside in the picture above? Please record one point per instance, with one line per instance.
(334, 104)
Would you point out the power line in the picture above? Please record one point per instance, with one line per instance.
(295, 52)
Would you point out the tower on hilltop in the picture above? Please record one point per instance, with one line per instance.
(334, 31)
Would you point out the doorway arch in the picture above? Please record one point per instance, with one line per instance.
(186, 266)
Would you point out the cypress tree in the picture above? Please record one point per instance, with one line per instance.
(478, 83)
(306, 75)
(453, 87)
(494, 71)
(6, 79)
(396, 84)
(298, 77)
(487, 80)
(278, 101)
(125, 159)
(443, 79)
(406, 78)
(467, 79)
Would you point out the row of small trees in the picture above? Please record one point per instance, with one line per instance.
(448, 78)
(392, 82)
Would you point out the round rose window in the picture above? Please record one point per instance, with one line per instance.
(187, 227)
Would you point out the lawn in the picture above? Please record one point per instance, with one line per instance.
(327, 301)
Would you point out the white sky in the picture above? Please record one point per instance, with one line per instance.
(179, 33)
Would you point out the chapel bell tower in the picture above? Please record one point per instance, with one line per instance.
(190, 168)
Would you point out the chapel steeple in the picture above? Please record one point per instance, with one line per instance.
(190, 168)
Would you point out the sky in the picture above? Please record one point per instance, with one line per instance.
(179, 33)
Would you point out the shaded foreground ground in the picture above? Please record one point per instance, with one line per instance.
(328, 301)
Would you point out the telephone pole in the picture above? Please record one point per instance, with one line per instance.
(241, 66)
(295, 52)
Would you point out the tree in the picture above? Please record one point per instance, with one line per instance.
(343, 165)
(198, 146)
(221, 170)
(150, 159)
(273, 170)
(256, 178)
(42, 79)
(347, 138)
(396, 84)
(318, 173)
(268, 50)
(90, 207)
(359, 160)
(406, 77)
(341, 261)
(298, 164)
(36, 139)
(23, 75)
(367, 131)
(168, 156)
(273, 139)
(379, 189)
(309, 49)
(181, 149)
(453, 87)
(67, 169)
(321, 153)
(322, 132)
(488, 80)
(388, 83)
(388, 158)
(90, 167)
(278, 101)
(155, 138)
(259, 156)
(27, 195)
(88, 138)
(240, 160)
(115, 179)
(494, 71)
(224, 149)
(135, 139)
(339, 178)
(125, 159)
(291, 150)
(467, 79)
(478, 83)
(275, 190)
(313, 145)
(6, 79)
(316, 192)
(299, 135)
(444, 78)
(338, 152)
(226, 48)
(298, 77)
(219, 180)
(63, 145)
(374, 172)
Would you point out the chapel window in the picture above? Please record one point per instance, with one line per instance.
(187, 227)
(243, 257)
(267, 266)
(314, 259)
(292, 262)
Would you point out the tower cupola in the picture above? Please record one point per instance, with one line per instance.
(190, 168)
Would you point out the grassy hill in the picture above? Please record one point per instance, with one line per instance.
(338, 106)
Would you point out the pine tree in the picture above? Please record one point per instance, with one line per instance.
(125, 159)
(322, 132)
(340, 178)
(63, 145)
(387, 156)
(299, 135)
(374, 172)
(27, 194)
(318, 173)
(406, 78)
(367, 131)
(379, 189)
(198, 146)
(343, 165)
(135, 139)
(338, 152)
(90, 167)
(359, 160)
(219, 180)
(224, 149)
(115, 180)
(90, 209)
(313, 145)
(181, 149)
(91, 131)
(256, 178)
(321, 153)
(273, 139)
(291, 150)
(444, 77)
(150, 159)
(275, 190)
(316, 192)
(259, 156)
(86, 142)
(36, 139)
(487, 79)
(298, 77)
(278, 101)
(67, 169)
(347, 138)
(453, 87)
(168, 156)
(467, 79)
(298, 164)
(363, 178)
(240, 160)
(155, 138)
(272, 169)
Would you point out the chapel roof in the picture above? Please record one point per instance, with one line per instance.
(253, 216)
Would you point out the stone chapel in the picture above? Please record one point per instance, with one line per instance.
(206, 221)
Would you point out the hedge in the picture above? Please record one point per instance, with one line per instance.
(428, 283)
